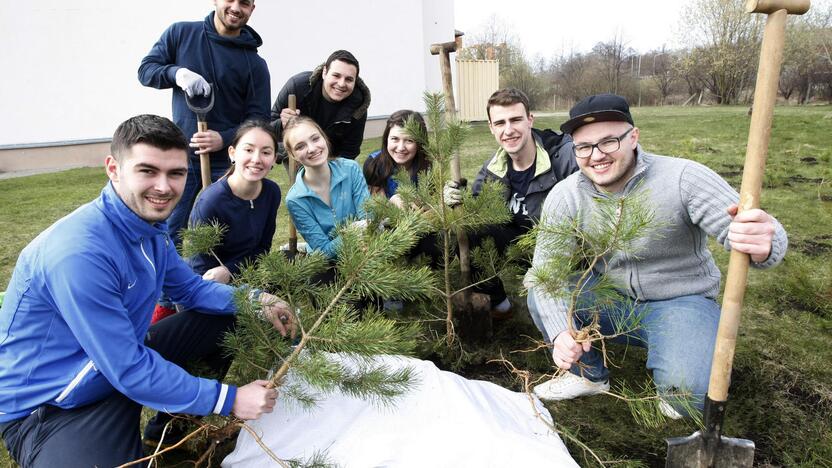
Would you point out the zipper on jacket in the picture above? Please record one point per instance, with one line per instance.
(141, 246)
(75, 381)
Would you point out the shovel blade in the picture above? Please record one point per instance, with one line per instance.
(698, 451)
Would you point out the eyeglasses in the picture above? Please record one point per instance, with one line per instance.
(606, 146)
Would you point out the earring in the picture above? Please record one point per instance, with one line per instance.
(232, 160)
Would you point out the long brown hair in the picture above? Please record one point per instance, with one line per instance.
(382, 167)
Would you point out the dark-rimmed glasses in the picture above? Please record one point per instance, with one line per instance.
(606, 146)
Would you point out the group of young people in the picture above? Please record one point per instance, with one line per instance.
(78, 352)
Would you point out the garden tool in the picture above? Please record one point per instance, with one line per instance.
(708, 448)
(292, 169)
(201, 105)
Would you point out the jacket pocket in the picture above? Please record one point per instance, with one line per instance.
(87, 386)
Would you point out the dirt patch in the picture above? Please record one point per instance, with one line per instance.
(814, 247)
(809, 161)
(804, 180)
(826, 198)
(727, 174)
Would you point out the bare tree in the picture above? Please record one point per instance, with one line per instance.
(728, 43)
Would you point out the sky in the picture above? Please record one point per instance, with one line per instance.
(551, 28)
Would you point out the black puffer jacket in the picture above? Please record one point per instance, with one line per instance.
(346, 132)
(560, 164)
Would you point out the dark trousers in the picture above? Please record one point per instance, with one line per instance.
(503, 236)
(106, 433)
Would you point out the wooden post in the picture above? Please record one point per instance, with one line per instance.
(293, 232)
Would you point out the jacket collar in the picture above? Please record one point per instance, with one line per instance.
(499, 163)
(129, 224)
(337, 176)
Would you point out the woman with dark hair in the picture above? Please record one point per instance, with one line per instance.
(243, 200)
(399, 151)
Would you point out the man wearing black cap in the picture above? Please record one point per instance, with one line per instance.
(672, 277)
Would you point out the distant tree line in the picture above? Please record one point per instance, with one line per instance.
(719, 65)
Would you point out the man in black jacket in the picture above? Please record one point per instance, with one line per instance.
(529, 163)
(334, 96)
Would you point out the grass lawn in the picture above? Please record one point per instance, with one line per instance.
(781, 394)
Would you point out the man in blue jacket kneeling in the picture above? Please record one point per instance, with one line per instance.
(75, 370)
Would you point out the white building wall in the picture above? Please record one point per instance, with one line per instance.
(69, 68)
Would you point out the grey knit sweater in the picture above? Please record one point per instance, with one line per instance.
(689, 201)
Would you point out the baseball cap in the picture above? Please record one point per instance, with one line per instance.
(597, 108)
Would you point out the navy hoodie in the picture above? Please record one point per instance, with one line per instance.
(240, 76)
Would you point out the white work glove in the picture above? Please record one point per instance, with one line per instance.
(451, 194)
(360, 224)
(192, 83)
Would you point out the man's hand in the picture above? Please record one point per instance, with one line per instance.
(192, 83)
(206, 142)
(451, 194)
(566, 351)
(288, 114)
(751, 232)
(219, 274)
(253, 400)
(278, 313)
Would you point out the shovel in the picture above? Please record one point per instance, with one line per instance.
(708, 448)
(201, 105)
(292, 170)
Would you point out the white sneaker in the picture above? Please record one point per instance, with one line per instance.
(667, 410)
(567, 386)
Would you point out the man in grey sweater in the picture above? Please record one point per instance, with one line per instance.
(672, 279)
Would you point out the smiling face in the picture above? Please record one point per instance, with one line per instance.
(611, 171)
(253, 155)
(401, 146)
(232, 15)
(306, 144)
(339, 80)
(512, 128)
(149, 180)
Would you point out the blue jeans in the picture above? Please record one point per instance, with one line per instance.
(178, 218)
(679, 335)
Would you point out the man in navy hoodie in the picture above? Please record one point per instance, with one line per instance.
(78, 358)
(221, 51)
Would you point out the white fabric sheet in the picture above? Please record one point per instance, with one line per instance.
(446, 421)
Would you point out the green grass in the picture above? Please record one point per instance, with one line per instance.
(781, 394)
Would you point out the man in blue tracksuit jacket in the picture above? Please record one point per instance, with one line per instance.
(74, 367)
(221, 51)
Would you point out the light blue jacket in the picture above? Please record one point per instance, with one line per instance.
(314, 219)
(77, 309)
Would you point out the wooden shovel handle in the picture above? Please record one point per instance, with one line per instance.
(204, 158)
(293, 232)
(759, 134)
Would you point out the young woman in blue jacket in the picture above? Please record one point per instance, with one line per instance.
(327, 192)
(399, 151)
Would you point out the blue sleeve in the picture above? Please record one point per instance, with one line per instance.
(271, 222)
(312, 232)
(158, 68)
(189, 289)
(360, 191)
(100, 322)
